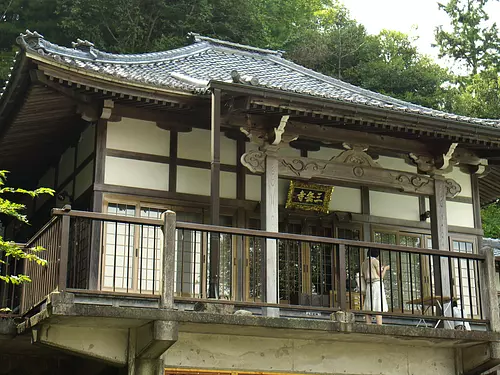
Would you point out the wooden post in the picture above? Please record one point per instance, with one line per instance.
(64, 252)
(476, 206)
(439, 233)
(213, 291)
(97, 201)
(342, 278)
(270, 221)
(168, 268)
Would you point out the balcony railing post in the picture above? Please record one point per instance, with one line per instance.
(167, 277)
(64, 253)
(342, 278)
(488, 289)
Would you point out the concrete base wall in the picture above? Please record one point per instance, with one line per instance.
(224, 352)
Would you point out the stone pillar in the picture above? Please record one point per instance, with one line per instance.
(269, 223)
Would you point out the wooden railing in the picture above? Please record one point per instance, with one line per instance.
(139, 256)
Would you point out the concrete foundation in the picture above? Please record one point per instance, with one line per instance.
(223, 352)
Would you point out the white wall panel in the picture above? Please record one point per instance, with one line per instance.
(84, 179)
(227, 151)
(86, 144)
(460, 214)
(283, 186)
(252, 187)
(138, 136)
(396, 164)
(196, 145)
(66, 165)
(136, 173)
(228, 185)
(193, 180)
(346, 199)
(463, 179)
(396, 206)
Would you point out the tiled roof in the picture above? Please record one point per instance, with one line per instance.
(191, 69)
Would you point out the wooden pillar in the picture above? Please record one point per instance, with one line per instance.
(97, 198)
(439, 233)
(476, 206)
(213, 290)
(270, 221)
(365, 210)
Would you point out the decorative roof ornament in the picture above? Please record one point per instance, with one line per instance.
(246, 79)
(85, 46)
(31, 40)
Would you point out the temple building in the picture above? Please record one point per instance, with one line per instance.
(215, 205)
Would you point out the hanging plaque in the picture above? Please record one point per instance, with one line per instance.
(309, 197)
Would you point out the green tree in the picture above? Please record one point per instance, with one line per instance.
(490, 216)
(9, 249)
(470, 41)
(392, 65)
(333, 44)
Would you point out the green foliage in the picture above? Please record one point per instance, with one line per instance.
(490, 216)
(392, 65)
(470, 40)
(9, 249)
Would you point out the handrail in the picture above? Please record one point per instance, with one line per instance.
(40, 232)
(262, 234)
(107, 217)
(316, 239)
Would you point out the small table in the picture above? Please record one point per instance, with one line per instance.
(428, 302)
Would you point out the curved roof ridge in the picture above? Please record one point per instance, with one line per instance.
(199, 38)
(36, 42)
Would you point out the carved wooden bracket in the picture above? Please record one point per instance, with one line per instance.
(348, 169)
(464, 159)
(356, 154)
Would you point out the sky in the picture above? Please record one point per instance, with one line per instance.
(415, 17)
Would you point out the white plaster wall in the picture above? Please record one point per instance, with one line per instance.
(396, 206)
(460, 214)
(138, 136)
(196, 145)
(396, 164)
(463, 179)
(197, 181)
(346, 199)
(66, 164)
(84, 179)
(220, 352)
(228, 185)
(86, 144)
(325, 153)
(193, 180)
(252, 187)
(136, 173)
